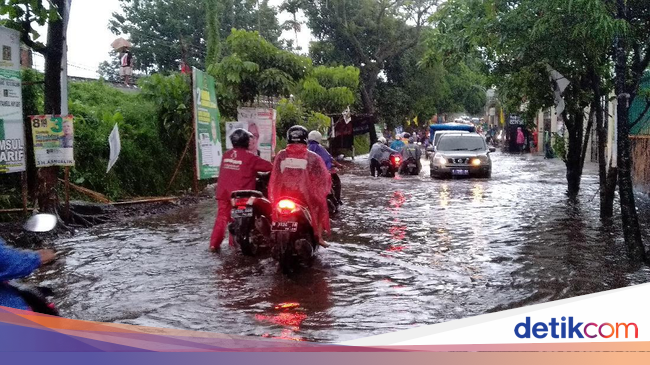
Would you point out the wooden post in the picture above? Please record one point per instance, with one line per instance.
(195, 162)
(23, 186)
(67, 193)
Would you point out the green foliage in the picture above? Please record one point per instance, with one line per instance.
(20, 14)
(290, 113)
(559, 146)
(361, 145)
(255, 68)
(173, 98)
(146, 161)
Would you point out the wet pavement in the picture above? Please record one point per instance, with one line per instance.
(406, 252)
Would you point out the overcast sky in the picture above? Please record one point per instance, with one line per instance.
(89, 40)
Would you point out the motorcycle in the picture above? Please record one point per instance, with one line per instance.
(37, 298)
(294, 241)
(410, 167)
(389, 167)
(251, 217)
(332, 203)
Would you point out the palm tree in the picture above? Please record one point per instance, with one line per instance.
(292, 7)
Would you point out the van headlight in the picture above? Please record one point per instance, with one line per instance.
(476, 162)
(440, 160)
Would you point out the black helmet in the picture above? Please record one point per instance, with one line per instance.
(241, 138)
(406, 135)
(297, 134)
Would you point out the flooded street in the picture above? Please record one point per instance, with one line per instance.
(406, 252)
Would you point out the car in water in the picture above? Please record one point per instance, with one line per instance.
(462, 155)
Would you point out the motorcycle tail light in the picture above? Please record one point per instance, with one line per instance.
(286, 206)
(397, 160)
(241, 202)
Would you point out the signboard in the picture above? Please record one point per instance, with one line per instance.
(53, 140)
(515, 120)
(12, 132)
(261, 123)
(209, 151)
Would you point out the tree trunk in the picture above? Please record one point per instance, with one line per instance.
(631, 228)
(369, 77)
(607, 174)
(574, 159)
(47, 177)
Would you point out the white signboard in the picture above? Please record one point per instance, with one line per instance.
(12, 132)
(261, 123)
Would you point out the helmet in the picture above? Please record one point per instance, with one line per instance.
(315, 136)
(297, 134)
(382, 140)
(241, 138)
(406, 135)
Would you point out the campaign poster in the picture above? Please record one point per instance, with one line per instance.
(262, 124)
(209, 151)
(12, 131)
(53, 140)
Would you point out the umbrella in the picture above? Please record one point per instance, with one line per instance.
(121, 44)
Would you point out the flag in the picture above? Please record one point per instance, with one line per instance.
(415, 121)
(560, 83)
(116, 147)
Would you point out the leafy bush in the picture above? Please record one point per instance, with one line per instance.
(146, 160)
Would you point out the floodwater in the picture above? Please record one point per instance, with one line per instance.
(406, 252)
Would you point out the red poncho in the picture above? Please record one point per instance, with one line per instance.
(302, 175)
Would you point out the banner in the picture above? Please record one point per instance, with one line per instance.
(116, 147)
(209, 150)
(261, 123)
(12, 131)
(53, 140)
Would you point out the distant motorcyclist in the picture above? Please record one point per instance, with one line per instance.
(411, 150)
(378, 153)
(238, 172)
(301, 174)
(315, 138)
(16, 264)
(398, 144)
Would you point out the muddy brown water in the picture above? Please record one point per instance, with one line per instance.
(406, 252)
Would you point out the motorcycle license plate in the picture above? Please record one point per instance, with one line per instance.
(412, 166)
(460, 172)
(242, 213)
(285, 227)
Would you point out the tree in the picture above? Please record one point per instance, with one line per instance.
(213, 25)
(519, 41)
(368, 33)
(110, 70)
(293, 7)
(163, 32)
(631, 57)
(22, 15)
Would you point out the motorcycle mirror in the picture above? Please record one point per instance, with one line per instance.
(41, 223)
(493, 149)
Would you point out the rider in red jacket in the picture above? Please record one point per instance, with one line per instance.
(238, 171)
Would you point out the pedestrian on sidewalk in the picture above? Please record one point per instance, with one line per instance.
(521, 140)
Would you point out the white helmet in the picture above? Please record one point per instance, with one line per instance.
(382, 140)
(315, 136)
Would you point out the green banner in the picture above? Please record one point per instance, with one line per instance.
(209, 151)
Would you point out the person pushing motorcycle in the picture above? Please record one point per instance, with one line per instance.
(301, 174)
(238, 171)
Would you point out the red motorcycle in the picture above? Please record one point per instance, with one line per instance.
(251, 217)
(389, 167)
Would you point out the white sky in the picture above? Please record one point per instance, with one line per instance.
(89, 40)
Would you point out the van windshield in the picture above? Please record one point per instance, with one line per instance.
(452, 142)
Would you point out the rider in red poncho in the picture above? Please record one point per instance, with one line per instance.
(301, 174)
